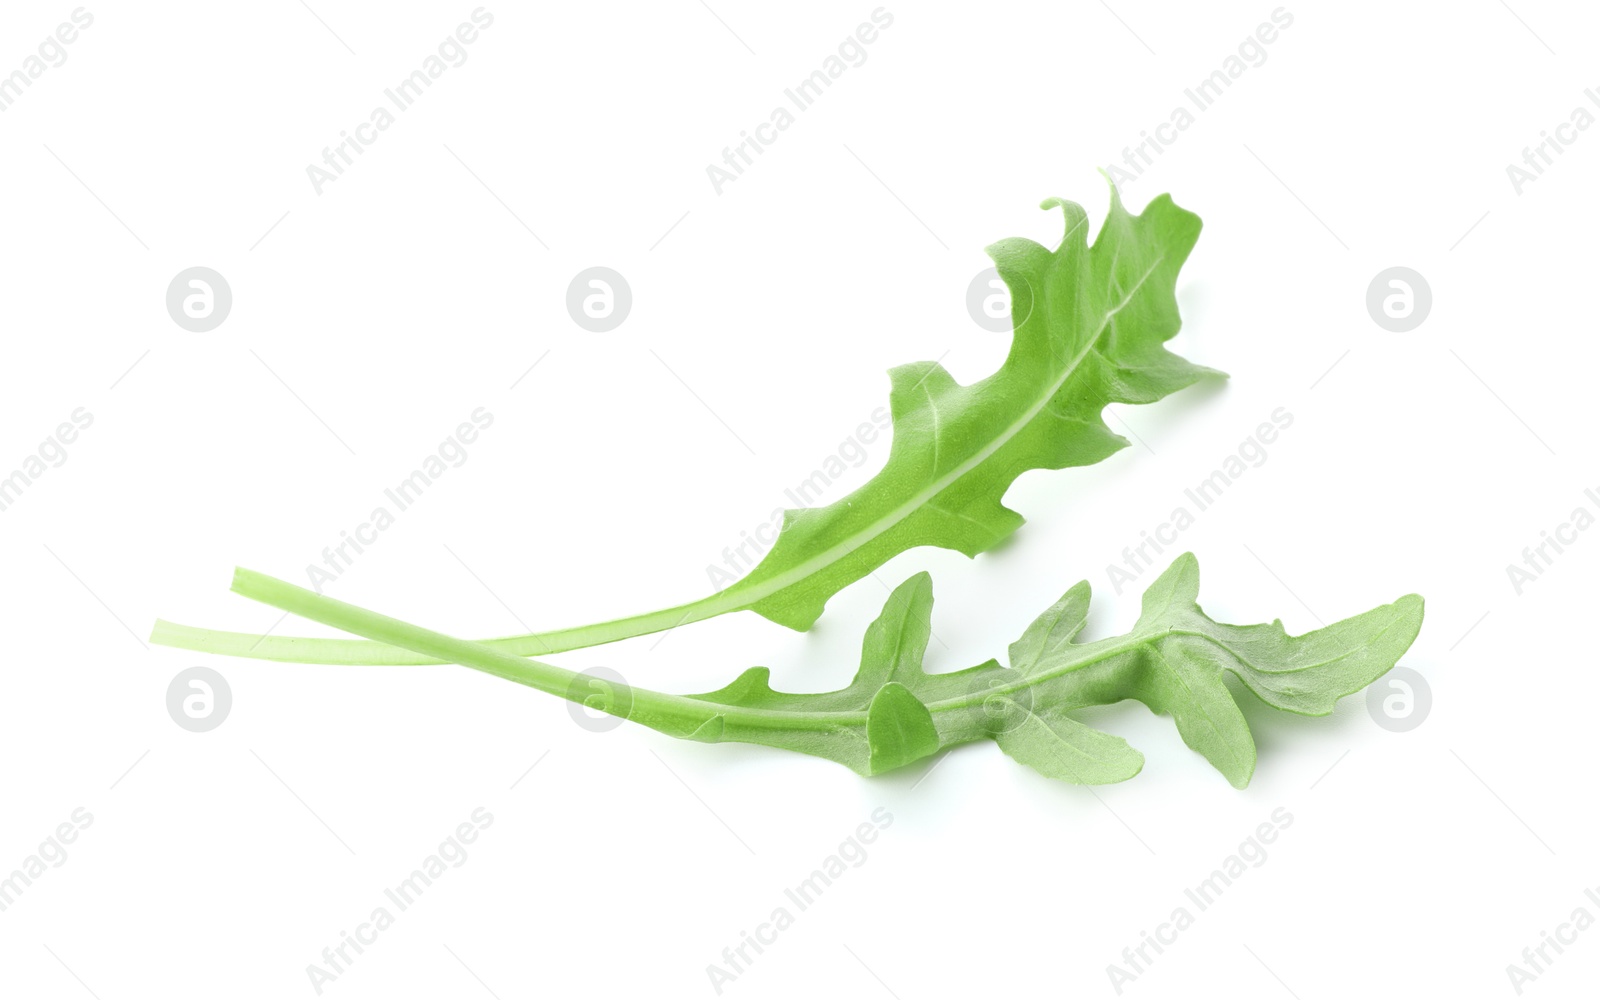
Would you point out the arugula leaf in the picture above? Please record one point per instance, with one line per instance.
(1090, 327)
(1090, 324)
(1062, 748)
(893, 713)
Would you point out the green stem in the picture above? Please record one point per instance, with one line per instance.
(675, 715)
(423, 645)
(301, 649)
(839, 735)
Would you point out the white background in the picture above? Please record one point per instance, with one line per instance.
(372, 318)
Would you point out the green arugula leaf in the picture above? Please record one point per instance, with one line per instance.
(1090, 326)
(893, 713)
(1062, 748)
(900, 729)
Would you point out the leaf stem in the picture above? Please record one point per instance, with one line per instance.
(430, 647)
(345, 652)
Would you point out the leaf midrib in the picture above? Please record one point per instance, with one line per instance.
(878, 528)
